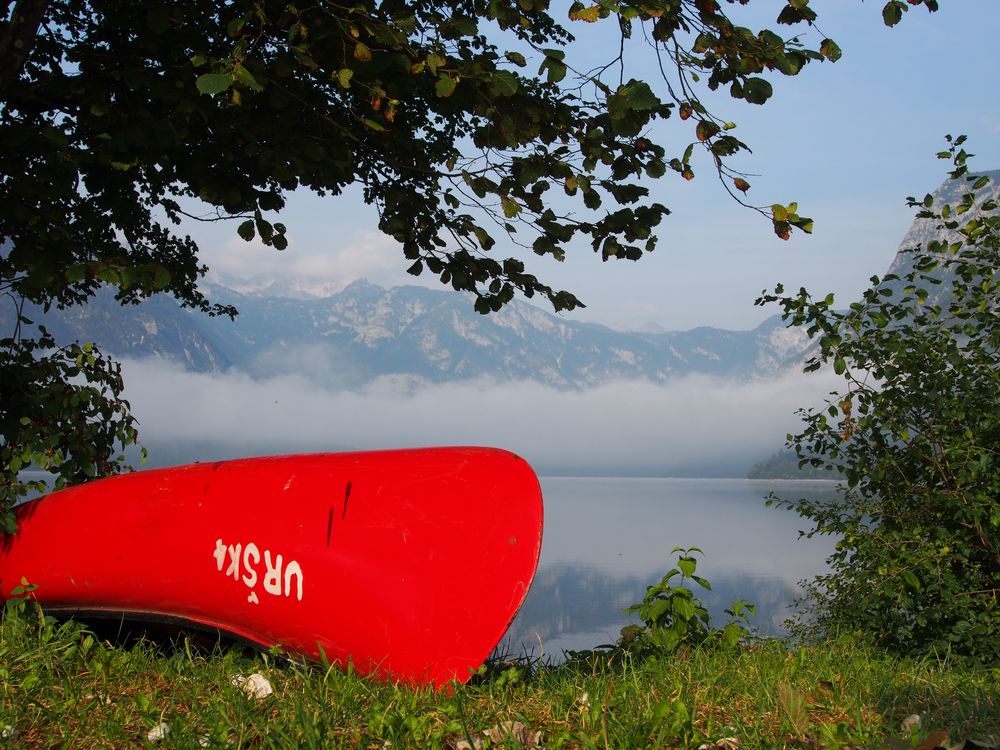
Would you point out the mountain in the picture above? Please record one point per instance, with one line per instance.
(158, 327)
(416, 335)
(435, 336)
(924, 231)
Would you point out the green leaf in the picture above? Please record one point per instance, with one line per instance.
(706, 129)
(235, 26)
(445, 85)
(634, 96)
(511, 208)
(504, 83)
(435, 61)
(830, 50)
(344, 76)
(214, 83)
(803, 223)
(246, 230)
(839, 365)
(656, 168)
(757, 90)
(590, 15)
(243, 76)
(483, 237)
(362, 52)
(704, 583)
(703, 42)
(892, 13)
(517, 58)
(683, 607)
(264, 228)
(553, 65)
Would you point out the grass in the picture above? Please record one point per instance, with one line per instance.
(62, 685)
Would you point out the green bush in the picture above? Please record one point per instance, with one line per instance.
(673, 616)
(916, 434)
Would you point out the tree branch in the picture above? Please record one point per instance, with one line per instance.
(18, 39)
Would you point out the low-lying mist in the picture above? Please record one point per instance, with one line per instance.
(692, 426)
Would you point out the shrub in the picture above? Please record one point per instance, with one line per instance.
(916, 434)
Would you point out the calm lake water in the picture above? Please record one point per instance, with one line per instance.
(606, 539)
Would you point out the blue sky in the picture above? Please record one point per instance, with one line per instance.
(849, 141)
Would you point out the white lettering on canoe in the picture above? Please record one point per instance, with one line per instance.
(244, 566)
(293, 569)
(234, 561)
(250, 577)
(272, 578)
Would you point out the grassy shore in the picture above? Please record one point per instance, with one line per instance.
(64, 686)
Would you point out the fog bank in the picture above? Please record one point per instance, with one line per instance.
(687, 426)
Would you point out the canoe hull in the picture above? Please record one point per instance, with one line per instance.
(410, 564)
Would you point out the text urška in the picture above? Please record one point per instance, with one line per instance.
(244, 565)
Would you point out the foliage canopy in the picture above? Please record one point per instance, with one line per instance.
(915, 434)
(460, 119)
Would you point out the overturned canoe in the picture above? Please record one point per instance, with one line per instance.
(409, 564)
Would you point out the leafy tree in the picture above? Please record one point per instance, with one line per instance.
(915, 433)
(459, 118)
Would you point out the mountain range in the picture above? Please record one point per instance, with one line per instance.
(417, 336)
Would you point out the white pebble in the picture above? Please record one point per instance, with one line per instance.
(159, 732)
(256, 685)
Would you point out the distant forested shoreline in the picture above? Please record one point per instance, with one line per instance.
(784, 464)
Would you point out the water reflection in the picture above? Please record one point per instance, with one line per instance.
(607, 539)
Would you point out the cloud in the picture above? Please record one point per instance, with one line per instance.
(316, 264)
(690, 422)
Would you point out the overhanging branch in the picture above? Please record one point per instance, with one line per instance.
(18, 39)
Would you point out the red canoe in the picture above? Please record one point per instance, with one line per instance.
(410, 564)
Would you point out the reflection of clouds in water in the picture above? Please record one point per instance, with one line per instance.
(575, 607)
(630, 526)
(622, 424)
(607, 539)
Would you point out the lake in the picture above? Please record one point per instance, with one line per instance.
(606, 539)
